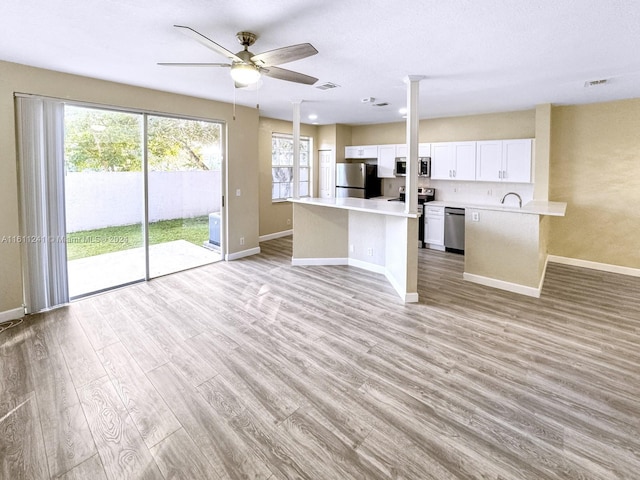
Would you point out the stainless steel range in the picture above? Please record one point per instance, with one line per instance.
(425, 194)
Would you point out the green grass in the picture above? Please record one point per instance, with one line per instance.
(88, 243)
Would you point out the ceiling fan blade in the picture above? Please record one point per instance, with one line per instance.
(284, 55)
(207, 42)
(288, 75)
(174, 64)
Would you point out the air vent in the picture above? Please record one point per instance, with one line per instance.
(595, 83)
(383, 104)
(327, 86)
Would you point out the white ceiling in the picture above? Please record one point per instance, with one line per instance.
(478, 56)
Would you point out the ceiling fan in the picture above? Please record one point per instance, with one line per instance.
(246, 68)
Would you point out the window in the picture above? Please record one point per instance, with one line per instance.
(282, 166)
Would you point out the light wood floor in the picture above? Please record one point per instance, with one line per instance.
(258, 370)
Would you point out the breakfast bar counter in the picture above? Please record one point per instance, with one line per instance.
(372, 234)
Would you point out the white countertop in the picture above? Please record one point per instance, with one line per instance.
(554, 209)
(379, 205)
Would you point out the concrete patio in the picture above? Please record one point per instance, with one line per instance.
(100, 272)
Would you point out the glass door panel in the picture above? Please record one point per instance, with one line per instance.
(103, 199)
(185, 189)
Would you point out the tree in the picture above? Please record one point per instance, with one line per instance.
(181, 144)
(102, 140)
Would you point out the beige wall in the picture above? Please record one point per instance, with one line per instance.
(278, 217)
(595, 168)
(242, 152)
(494, 126)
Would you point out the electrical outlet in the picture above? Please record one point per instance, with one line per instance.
(288, 221)
(241, 240)
(455, 189)
(370, 252)
(475, 216)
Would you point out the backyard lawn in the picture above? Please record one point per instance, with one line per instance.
(88, 243)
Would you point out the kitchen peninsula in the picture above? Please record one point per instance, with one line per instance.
(376, 235)
(505, 247)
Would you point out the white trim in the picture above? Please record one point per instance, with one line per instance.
(411, 298)
(407, 297)
(14, 314)
(242, 254)
(605, 267)
(434, 246)
(371, 267)
(319, 261)
(273, 236)
(502, 285)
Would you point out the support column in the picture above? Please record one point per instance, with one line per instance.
(296, 148)
(411, 180)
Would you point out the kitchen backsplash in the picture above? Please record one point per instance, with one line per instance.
(487, 193)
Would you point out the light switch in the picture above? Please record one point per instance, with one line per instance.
(238, 192)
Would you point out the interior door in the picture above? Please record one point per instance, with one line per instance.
(326, 174)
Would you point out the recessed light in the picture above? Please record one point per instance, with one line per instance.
(313, 116)
(402, 111)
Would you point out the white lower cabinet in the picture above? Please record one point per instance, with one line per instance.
(434, 227)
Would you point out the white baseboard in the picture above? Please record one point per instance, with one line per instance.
(242, 254)
(409, 297)
(319, 261)
(371, 267)
(273, 236)
(13, 314)
(502, 285)
(605, 267)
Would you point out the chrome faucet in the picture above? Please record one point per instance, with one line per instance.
(512, 193)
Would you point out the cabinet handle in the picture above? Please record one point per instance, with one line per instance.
(504, 174)
(454, 174)
(499, 173)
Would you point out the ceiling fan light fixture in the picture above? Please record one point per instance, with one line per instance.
(245, 74)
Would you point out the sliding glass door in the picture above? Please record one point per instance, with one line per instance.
(104, 199)
(142, 196)
(184, 185)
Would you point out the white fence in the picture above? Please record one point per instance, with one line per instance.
(106, 199)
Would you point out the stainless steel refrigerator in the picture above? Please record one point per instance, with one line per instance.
(359, 180)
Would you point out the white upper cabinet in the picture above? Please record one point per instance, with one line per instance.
(453, 161)
(424, 150)
(504, 161)
(361, 152)
(489, 161)
(516, 160)
(386, 161)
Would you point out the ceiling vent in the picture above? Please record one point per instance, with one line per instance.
(596, 83)
(327, 86)
(383, 104)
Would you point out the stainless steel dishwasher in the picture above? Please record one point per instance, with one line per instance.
(454, 229)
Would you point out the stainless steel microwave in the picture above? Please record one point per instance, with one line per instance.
(424, 167)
